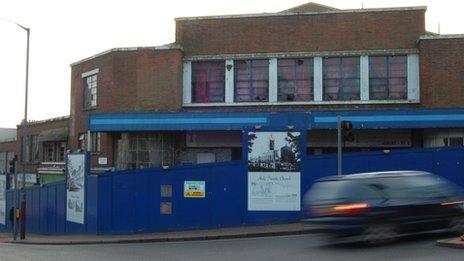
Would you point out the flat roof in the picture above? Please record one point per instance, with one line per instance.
(346, 11)
(170, 46)
(33, 122)
(441, 37)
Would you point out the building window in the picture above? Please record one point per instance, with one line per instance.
(82, 141)
(208, 83)
(453, 141)
(62, 152)
(3, 163)
(49, 151)
(95, 141)
(90, 91)
(251, 80)
(295, 79)
(388, 78)
(341, 78)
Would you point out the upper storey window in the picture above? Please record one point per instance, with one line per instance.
(341, 79)
(208, 82)
(388, 78)
(251, 80)
(295, 79)
(90, 91)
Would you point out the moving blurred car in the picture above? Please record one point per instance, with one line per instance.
(378, 207)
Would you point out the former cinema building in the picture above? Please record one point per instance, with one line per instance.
(190, 101)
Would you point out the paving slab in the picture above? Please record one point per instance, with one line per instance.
(204, 234)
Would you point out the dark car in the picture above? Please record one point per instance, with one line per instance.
(378, 207)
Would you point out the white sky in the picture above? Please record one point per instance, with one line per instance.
(63, 32)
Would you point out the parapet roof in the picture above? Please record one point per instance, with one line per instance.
(32, 122)
(170, 46)
(441, 36)
(284, 13)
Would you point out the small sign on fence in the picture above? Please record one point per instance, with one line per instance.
(194, 189)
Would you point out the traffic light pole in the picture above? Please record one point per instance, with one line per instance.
(15, 223)
(339, 146)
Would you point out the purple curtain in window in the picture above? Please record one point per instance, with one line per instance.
(295, 79)
(208, 83)
(251, 80)
(341, 78)
(388, 78)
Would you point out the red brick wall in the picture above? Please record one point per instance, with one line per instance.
(9, 146)
(128, 81)
(442, 73)
(36, 129)
(301, 33)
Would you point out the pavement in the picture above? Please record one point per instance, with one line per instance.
(190, 235)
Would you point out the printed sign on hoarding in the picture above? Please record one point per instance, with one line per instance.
(274, 171)
(75, 186)
(194, 189)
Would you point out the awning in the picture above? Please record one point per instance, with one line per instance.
(60, 134)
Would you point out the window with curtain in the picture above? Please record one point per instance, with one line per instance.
(388, 78)
(341, 78)
(295, 79)
(251, 80)
(208, 83)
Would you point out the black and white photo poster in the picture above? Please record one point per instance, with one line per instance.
(274, 160)
(75, 187)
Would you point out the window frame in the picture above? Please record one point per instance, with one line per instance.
(209, 72)
(250, 80)
(388, 78)
(309, 61)
(90, 89)
(341, 79)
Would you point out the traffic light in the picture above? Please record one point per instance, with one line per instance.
(12, 165)
(347, 128)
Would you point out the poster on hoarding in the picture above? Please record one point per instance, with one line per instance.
(2, 199)
(194, 189)
(75, 186)
(274, 160)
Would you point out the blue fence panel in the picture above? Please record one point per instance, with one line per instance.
(128, 202)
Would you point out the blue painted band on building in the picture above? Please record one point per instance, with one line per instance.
(411, 118)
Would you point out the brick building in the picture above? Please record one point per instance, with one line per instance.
(190, 101)
(7, 148)
(44, 155)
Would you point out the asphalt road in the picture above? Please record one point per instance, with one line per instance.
(287, 248)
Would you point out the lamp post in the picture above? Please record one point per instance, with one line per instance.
(24, 157)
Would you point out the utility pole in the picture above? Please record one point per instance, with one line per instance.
(24, 149)
(26, 143)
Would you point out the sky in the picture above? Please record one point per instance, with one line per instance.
(65, 31)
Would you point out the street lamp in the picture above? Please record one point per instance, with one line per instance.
(25, 145)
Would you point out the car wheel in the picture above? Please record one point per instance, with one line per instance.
(379, 234)
(457, 224)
